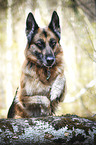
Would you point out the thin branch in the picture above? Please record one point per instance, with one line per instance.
(82, 92)
(87, 9)
(90, 56)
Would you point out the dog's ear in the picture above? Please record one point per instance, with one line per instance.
(31, 27)
(54, 24)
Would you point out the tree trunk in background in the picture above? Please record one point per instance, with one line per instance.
(9, 42)
(3, 36)
(65, 130)
(9, 24)
(89, 8)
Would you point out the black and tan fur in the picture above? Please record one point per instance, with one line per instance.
(42, 84)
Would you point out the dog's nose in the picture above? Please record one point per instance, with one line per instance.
(50, 60)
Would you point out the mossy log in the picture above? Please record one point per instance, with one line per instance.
(52, 130)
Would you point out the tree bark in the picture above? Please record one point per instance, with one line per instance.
(63, 130)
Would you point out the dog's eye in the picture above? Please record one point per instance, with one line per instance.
(40, 43)
(52, 42)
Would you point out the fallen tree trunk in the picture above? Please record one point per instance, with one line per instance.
(64, 130)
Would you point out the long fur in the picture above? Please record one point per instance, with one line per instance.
(42, 83)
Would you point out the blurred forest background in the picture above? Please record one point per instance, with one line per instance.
(78, 39)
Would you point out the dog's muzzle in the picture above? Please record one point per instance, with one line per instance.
(49, 61)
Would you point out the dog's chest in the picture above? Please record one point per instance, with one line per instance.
(35, 87)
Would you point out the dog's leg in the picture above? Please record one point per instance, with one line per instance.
(57, 91)
(36, 105)
(17, 110)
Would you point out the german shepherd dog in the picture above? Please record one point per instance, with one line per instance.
(42, 83)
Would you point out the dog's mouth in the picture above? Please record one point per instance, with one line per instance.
(48, 61)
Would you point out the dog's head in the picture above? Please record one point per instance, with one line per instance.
(43, 43)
